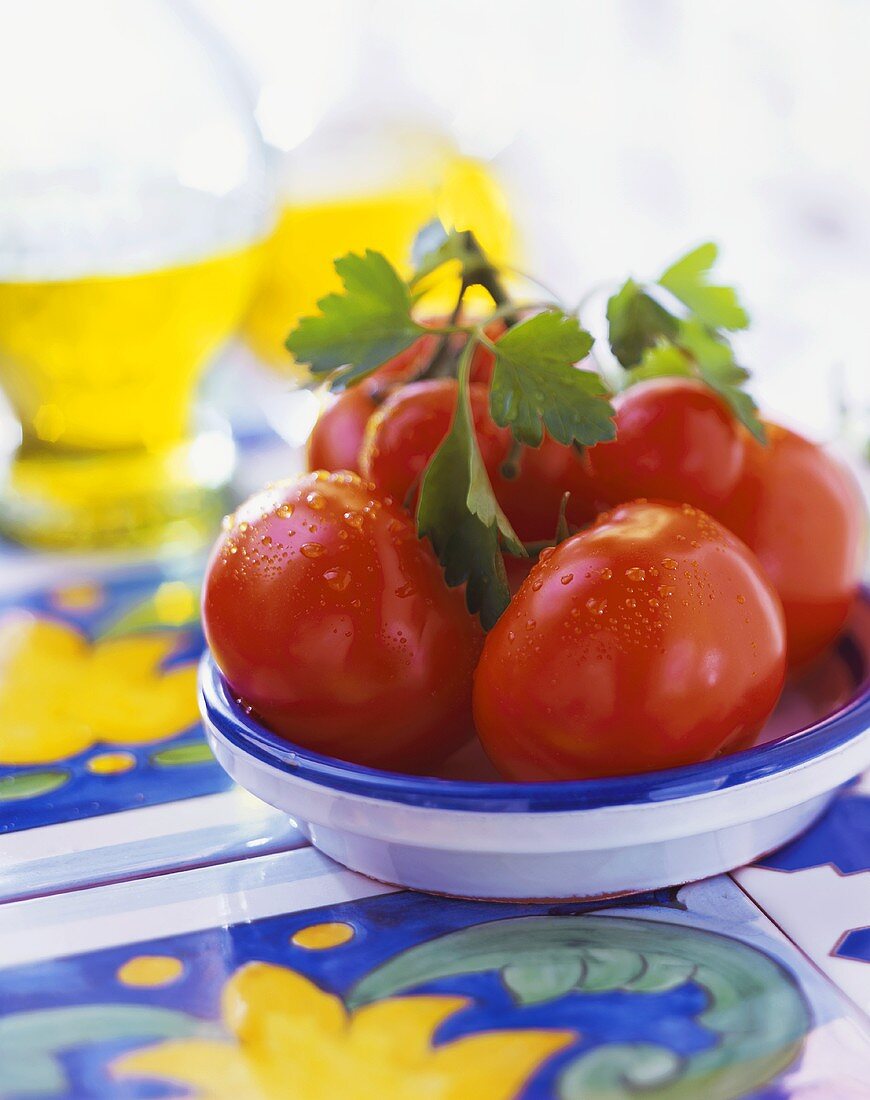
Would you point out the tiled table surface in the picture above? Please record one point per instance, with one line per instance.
(162, 934)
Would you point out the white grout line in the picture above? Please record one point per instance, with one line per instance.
(145, 823)
(186, 901)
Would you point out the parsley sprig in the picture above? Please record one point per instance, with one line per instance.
(460, 515)
(686, 334)
(676, 326)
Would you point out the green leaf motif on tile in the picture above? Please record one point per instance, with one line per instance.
(31, 1042)
(15, 788)
(198, 753)
(754, 1009)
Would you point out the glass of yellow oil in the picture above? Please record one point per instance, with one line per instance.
(133, 207)
(361, 190)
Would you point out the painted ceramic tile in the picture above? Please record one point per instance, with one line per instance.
(98, 716)
(323, 985)
(817, 889)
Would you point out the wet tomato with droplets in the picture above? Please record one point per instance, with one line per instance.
(803, 514)
(331, 620)
(651, 640)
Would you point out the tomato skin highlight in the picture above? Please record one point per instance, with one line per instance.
(676, 440)
(331, 619)
(802, 512)
(651, 640)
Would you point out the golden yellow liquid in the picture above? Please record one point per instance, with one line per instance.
(101, 372)
(298, 261)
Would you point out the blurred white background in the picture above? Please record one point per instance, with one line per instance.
(625, 131)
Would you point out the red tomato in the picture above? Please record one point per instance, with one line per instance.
(675, 440)
(802, 513)
(651, 640)
(329, 617)
(408, 429)
(412, 422)
(531, 500)
(517, 570)
(336, 438)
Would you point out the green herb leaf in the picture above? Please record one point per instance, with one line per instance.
(434, 246)
(458, 512)
(716, 367)
(665, 360)
(637, 322)
(363, 327)
(714, 306)
(536, 385)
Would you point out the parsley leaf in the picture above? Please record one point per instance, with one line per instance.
(458, 511)
(636, 322)
(665, 360)
(716, 366)
(363, 327)
(714, 306)
(536, 385)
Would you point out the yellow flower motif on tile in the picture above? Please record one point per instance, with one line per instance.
(61, 693)
(78, 597)
(147, 971)
(290, 1039)
(319, 937)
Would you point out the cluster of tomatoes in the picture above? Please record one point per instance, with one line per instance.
(657, 635)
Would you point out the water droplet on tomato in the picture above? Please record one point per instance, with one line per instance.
(665, 590)
(354, 519)
(284, 511)
(596, 607)
(338, 578)
(630, 602)
(654, 603)
(741, 599)
(312, 549)
(566, 578)
(537, 584)
(406, 590)
(606, 573)
(636, 574)
(668, 563)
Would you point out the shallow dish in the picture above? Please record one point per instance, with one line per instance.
(464, 833)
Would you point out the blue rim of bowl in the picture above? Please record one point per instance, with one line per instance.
(243, 733)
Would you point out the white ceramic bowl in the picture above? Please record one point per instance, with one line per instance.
(476, 838)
